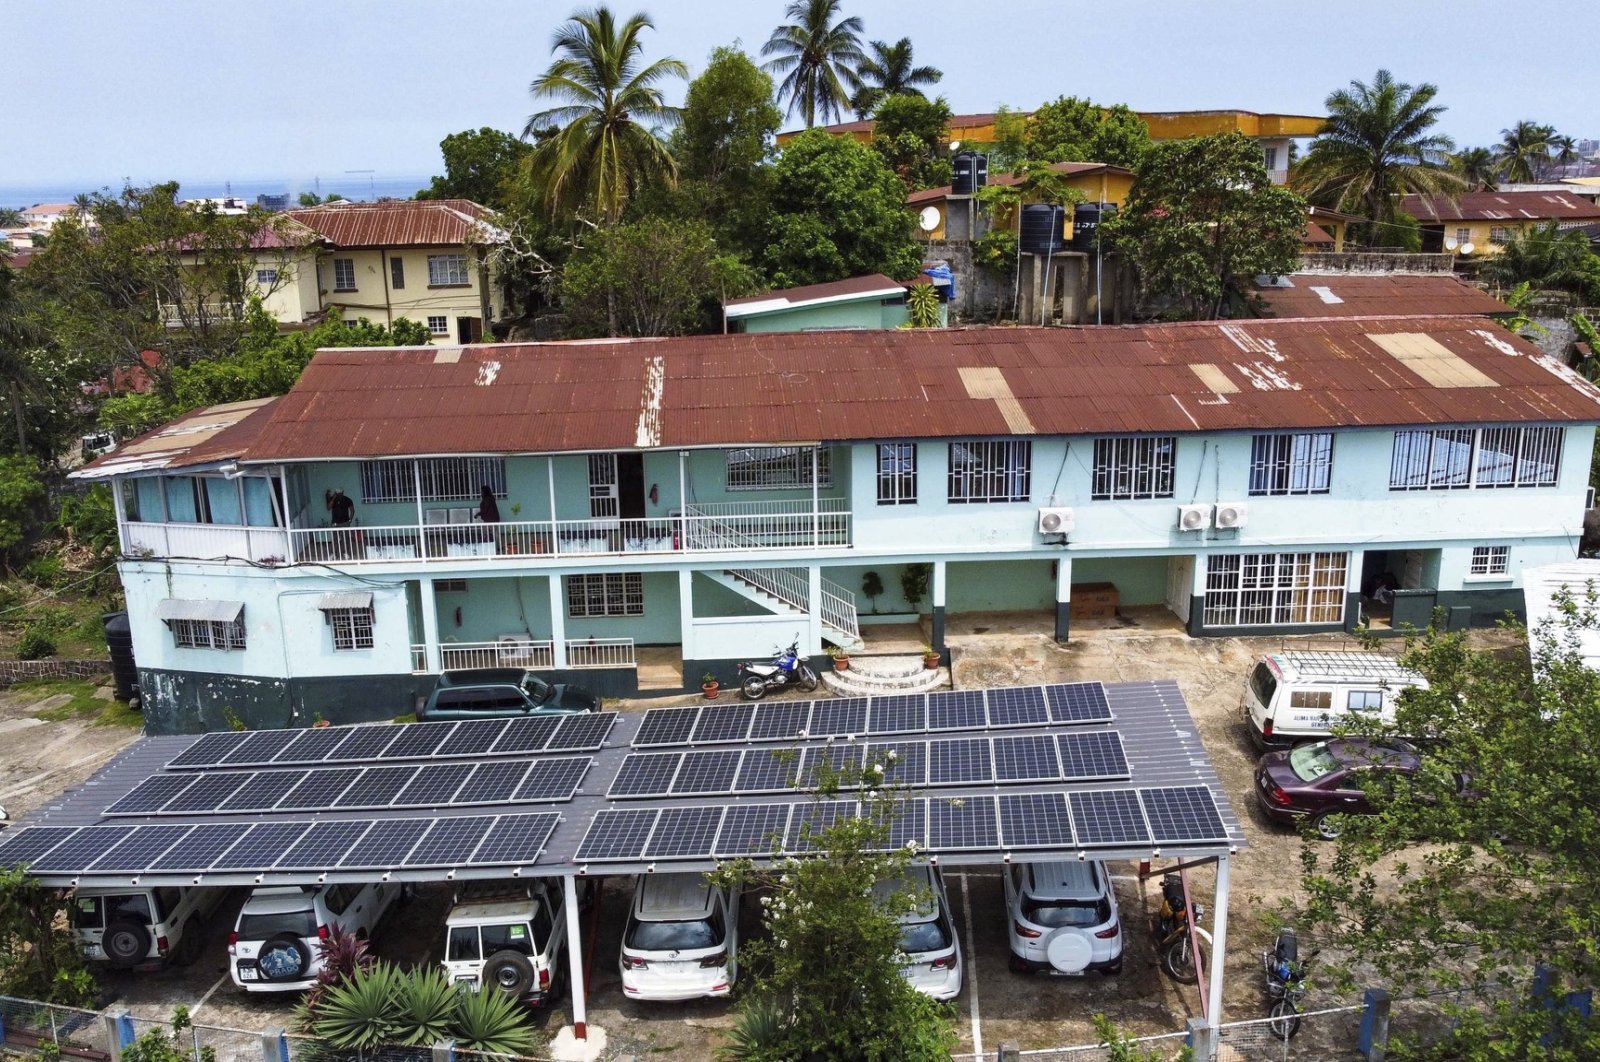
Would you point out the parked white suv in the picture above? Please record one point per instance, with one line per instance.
(510, 937)
(681, 940)
(142, 928)
(1063, 918)
(276, 942)
(933, 955)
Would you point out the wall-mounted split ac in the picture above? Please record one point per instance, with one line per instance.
(1194, 517)
(1056, 520)
(1231, 515)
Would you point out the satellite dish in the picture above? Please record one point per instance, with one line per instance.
(955, 145)
(1467, 248)
(929, 219)
(1450, 244)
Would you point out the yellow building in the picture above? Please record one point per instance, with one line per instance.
(1479, 223)
(943, 215)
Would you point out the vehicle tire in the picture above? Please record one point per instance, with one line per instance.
(193, 944)
(125, 944)
(1327, 825)
(1177, 961)
(283, 958)
(508, 972)
(753, 689)
(1285, 1019)
(808, 680)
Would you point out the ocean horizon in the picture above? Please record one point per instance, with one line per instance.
(362, 187)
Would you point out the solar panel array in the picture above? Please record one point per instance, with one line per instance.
(901, 713)
(978, 760)
(583, 732)
(357, 788)
(350, 844)
(1091, 819)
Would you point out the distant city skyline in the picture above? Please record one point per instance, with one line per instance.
(191, 90)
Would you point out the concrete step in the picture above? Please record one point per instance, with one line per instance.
(881, 676)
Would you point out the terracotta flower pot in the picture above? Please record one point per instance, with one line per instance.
(930, 661)
(841, 663)
(710, 689)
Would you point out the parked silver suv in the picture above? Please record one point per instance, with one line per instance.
(142, 929)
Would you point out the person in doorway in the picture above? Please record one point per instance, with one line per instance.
(488, 508)
(341, 510)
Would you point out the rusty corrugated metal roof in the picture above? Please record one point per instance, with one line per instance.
(203, 437)
(788, 298)
(1376, 295)
(419, 223)
(1501, 206)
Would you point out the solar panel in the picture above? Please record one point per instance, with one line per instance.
(779, 720)
(956, 710)
(366, 742)
(711, 771)
(959, 761)
(751, 830)
(841, 757)
(492, 782)
(450, 842)
(842, 717)
(262, 846)
(321, 846)
(81, 849)
(645, 774)
(434, 785)
(903, 762)
(142, 848)
(1026, 758)
(418, 739)
(766, 771)
(1108, 817)
(554, 779)
(1017, 706)
(516, 840)
(319, 790)
(723, 722)
(1090, 756)
(812, 819)
(29, 843)
(1078, 702)
(201, 846)
(666, 726)
(617, 835)
(386, 844)
(473, 737)
(148, 796)
(259, 747)
(684, 832)
(957, 824)
(902, 713)
(312, 746)
(377, 787)
(1035, 820)
(208, 793)
(1182, 813)
(907, 821)
(582, 733)
(263, 791)
(527, 735)
(208, 750)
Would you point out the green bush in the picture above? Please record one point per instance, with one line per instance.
(35, 644)
(46, 570)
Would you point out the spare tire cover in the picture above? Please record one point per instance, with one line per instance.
(284, 958)
(1068, 951)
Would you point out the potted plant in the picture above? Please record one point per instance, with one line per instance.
(930, 657)
(841, 657)
(708, 683)
(871, 587)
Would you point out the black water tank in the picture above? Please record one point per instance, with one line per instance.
(1042, 227)
(1086, 218)
(971, 172)
(119, 642)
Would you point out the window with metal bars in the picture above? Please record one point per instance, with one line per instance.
(1466, 458)
(1135, 467)
(1298, 463)
(605, 594)
(1489, 560)
(207, 634)
(1275, 589)
(990, 470)
(443, 479)
(778, 468)
(352, 628)
(897, 473)
(344, 274)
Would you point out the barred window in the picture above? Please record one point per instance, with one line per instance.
(352, 628)
(605, 594)
(443, 479)
(1489, 560)
(991, 470)
(1132, 468)
(1463, 458)
(778, 467)
(1298, 463)
(438, 325)
(897, 473)
(344, 274)
(1275, 589)
(446, 270)
(207, 634)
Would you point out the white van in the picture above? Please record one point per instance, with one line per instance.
(1296, 697)
(681, 940)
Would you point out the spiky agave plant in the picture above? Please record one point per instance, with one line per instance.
(426, 1004)
(758, 1033)
(493, 1024)
(361, 1012)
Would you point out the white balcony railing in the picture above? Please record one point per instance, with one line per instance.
(264, 545)
(536, 653)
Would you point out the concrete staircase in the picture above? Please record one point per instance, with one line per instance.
(879, 676)
(787, 592)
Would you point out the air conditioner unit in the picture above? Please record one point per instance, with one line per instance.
(1232, 514)
(1055, 521)
(1194, 517)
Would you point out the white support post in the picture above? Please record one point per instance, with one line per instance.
(422, 528)
(433, 652)
(816, 517)
(814, 613)
(686, 639)
(1063, 597)
(288, 514)
(580, 1009)
(938, 584)
(1219, 949)
(558, 623)
(122, 516)
(550, 476)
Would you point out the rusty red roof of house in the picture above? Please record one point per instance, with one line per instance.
(1501, 206)
(834, 291)
(1071, 169)
(1375, 295)
(419, 223)
(202, 437)
(1316, 235)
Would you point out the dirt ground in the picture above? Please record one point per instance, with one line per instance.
(50, 755)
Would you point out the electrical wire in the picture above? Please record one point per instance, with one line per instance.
(51, 595)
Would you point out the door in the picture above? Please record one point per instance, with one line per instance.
(630, 486)
(616, 486)
(1180, 585)
(468, 330)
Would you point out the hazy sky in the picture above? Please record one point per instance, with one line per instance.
(201, 90)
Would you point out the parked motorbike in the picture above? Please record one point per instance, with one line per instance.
(1170, 928)
(1286, 983)
(787, 669)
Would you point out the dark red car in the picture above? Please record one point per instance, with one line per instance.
(1326, 779)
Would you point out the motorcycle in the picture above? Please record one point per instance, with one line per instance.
(787, 669)
(1170, 928)
(1286, 983)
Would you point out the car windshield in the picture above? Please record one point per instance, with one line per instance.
(675, 936)
(1055, 913)
(268, 925)
(538, 688)
(1263, 684)
(1310, 762)
(924, 936)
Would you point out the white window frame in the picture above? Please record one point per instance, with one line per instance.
(605, 594)
(344, 274)
(438, 324)
(1275, 589)
(351, 627)
(1291, 463)
(442, 478)
(397, 272)
(448, 271)
(604, 499)
(1270, 158)
(266, 278)
(1463, 235)
(990, 471)
(1490, 561)
(1134, 467)
(1522, 455)
(223, 635)
(897, 473)
(777, 467)
(1500, 234)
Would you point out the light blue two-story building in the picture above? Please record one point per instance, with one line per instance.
(715, 496)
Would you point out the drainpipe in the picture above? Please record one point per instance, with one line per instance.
(383, 268)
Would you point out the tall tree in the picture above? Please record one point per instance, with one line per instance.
(601, 154)
(728, 119)
(479, 164)
(1478, 167)
(1524, 151)
(1563, 149)
(10, 218)
(819, 57)
(1547, 258)
(913, 136)
(1075, 130)
(889, 70)
(1377, 145)
(653, 277)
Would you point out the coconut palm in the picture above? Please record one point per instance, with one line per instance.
(1563, 149)
(1524, 151)
(1377, 145)
(1478, 167)
(819, 58)
(1547, 258)
(10, 218)
(889, 71)
(604, 148)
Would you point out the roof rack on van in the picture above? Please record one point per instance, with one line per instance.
(492, 891)
(1349, 666)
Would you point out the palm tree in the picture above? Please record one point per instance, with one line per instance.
(819, 57)
(1564, 149)
(889, 71)
(1524, 151)
(1546, 257)
(604, 149)
(11, 217)
(1478, 167)
(1376, 146)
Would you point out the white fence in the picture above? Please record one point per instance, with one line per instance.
(264, 545)
(536, 653)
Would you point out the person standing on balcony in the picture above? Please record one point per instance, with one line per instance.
(340, 508)
(488, 508)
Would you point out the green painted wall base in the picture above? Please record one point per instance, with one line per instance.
(1063, 620)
